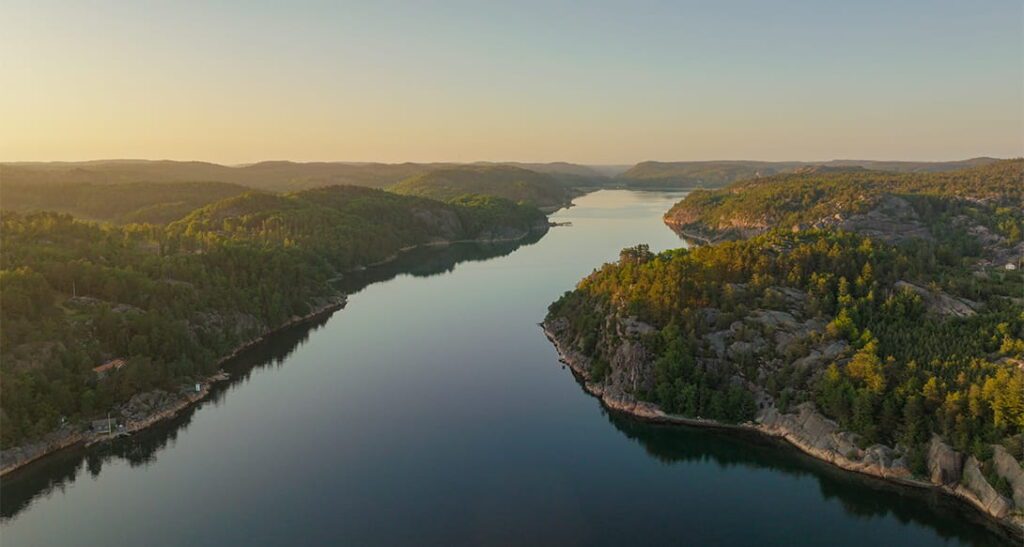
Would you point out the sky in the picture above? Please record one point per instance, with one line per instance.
(587, 82)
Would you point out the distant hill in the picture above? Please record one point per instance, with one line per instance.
(513, 183)
(275, 176)
(153, 202)
(714, 174)
(855, 199)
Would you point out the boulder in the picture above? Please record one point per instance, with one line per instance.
(944, 463)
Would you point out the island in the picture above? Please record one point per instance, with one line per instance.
(874, 320)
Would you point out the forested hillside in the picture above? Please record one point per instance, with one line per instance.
(512, 183)
(171, 300)
(989, 197)
(719, 314)
(892, 304)
(273, 176)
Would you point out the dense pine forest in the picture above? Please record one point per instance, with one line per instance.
(895, 336)
(171, 300)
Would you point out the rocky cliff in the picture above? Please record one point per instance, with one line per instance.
(624, 371)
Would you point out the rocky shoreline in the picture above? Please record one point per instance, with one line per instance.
(155, 406)
(169, 405)
(817, 436)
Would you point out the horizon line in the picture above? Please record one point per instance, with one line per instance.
(470, 162)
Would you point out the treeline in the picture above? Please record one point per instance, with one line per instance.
(173, 299)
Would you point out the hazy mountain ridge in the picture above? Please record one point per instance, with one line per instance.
(119, 202)
(273, 175)
(712, 174)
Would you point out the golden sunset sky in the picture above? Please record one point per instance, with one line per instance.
(583, 82)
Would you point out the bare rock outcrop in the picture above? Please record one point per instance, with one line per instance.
(631, 368)
(1008, 468)
(975, 488)
(891, 219)
(939, 302)
(822, 438)
(14, 457)
(944, 463)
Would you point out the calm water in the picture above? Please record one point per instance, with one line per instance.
(432, 410)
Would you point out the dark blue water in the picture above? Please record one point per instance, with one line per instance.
(432, 410)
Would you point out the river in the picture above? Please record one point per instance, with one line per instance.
(432, 410)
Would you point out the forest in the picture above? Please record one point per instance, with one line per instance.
(928, 337)
(173, 299)
(990, 194)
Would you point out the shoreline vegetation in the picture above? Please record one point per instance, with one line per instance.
(873, 320)
(18, 457)
(648, 412)
(71, 435)
(168, 304)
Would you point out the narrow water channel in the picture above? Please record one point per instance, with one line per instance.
(432, 410)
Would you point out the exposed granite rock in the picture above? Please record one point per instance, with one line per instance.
(944, 463)
(774, 319)
(15, 457)
(805, 428)
(976, 489)
(939, 302)
(821, 437)
(633, 327)
(1008, 468)
(145, 404)
(631, 368)
(892, 219)
(821, 355)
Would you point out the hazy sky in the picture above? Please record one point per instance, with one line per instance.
(457, 81)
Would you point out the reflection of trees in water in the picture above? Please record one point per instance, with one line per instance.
(860, 495)
(56, 471)
(431, 261)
